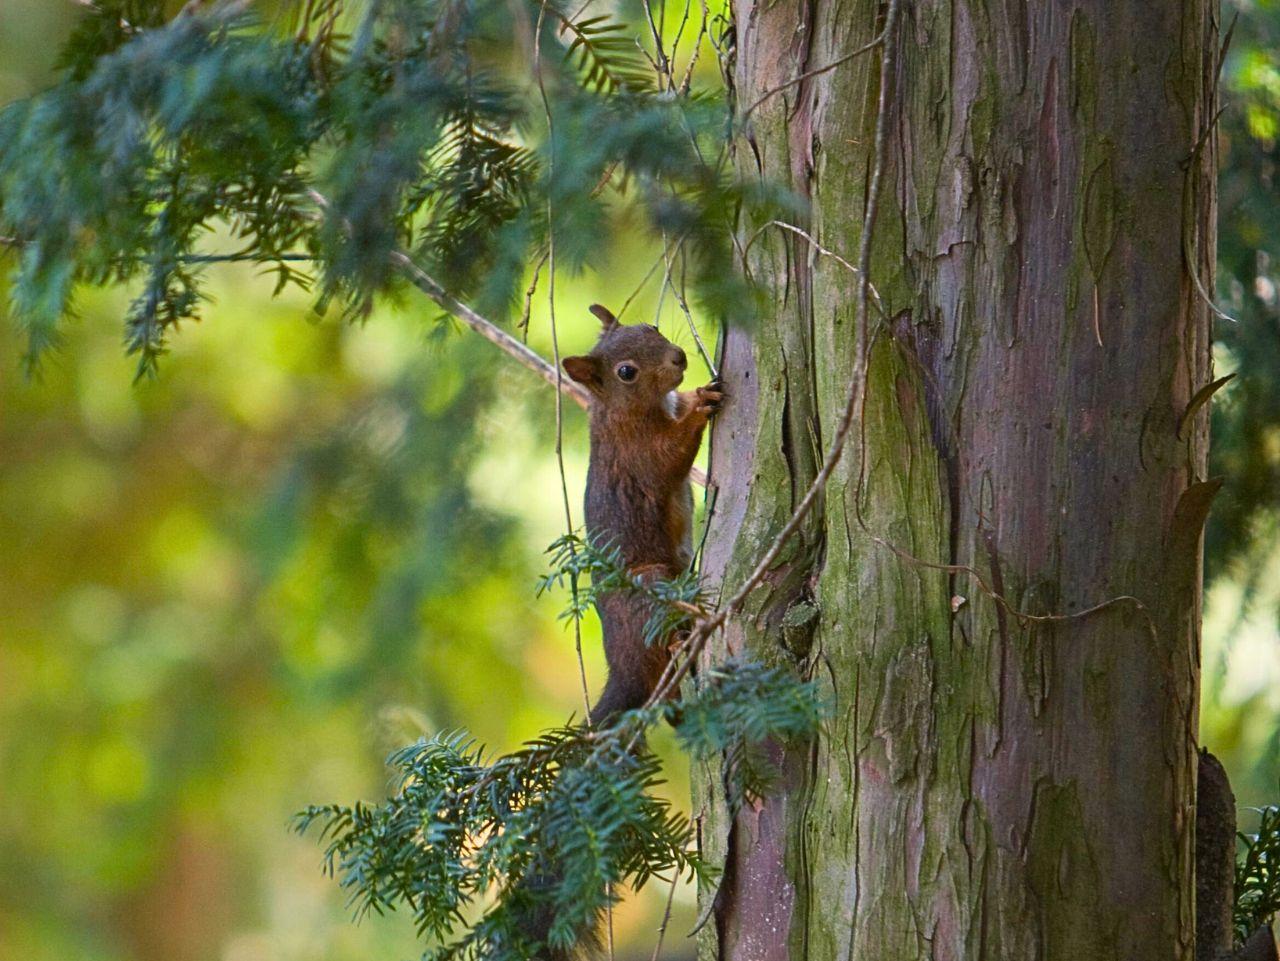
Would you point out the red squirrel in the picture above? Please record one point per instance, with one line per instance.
(644, 437)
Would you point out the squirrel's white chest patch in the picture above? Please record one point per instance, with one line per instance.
(672, 403)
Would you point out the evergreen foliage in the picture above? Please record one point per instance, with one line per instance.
(1257, 897)
(564, 820)
(554, 829)
(323, 142)
(486, 851)
(739, 710)
(468, 135)
(574, 558)
(549, 833)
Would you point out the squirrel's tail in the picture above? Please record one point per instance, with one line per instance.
(537, 917)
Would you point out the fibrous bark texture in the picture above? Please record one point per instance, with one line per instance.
(989, 786)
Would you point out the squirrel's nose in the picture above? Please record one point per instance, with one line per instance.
(679, 359)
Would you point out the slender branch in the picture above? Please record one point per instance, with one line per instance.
(481, 325)
(666, 916)
(1191, 257)
(242, 258)
(489, 330)
(509, 345)
(662, 66)
(687, 82)
(236, 258)
(783, 225)
(420, 279)
(818, 71)
(532, 289)
(560, 379)
(653, 269)
(682, 301)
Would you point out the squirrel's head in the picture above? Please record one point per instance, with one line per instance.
(631, 365)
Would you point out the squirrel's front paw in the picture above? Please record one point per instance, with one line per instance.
(711, 397)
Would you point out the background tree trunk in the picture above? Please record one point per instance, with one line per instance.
(988, 787)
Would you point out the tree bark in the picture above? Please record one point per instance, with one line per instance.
(1215, 859)
(988, 786)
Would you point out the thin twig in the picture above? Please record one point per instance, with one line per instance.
(687, 82)
(1222, 52)
(532, 289)
(817, 71)
(1190, 235)
(304, 22)
(683, 303)
(653, 269)
(663, 65)
(1210, 127)
(609, 919)
(523, 325)
(783, 225)
(236, 258)
(489, 330)
(675, 43)
(1097, 316)
(555, 348)
(666, 915)
(1004, 603)
(241, 258)
(1193, 268)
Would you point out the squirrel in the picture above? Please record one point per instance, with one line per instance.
(644, 437)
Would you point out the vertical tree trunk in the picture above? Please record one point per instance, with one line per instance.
(989, 786)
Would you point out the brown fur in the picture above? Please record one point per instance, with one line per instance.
(638, 498)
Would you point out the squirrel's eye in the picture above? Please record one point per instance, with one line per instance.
(627, 373)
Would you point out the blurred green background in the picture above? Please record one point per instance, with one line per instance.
(230, 591)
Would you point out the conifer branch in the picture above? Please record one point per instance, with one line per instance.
(487, 329)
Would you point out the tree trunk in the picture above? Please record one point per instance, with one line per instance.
(989, 786)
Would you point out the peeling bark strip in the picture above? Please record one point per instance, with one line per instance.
(1261, 946)
(988, 788)
(1215, 859)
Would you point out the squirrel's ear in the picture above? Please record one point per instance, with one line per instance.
(606, 318)
(585, 370)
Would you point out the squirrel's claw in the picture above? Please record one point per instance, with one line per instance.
(711, 397)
